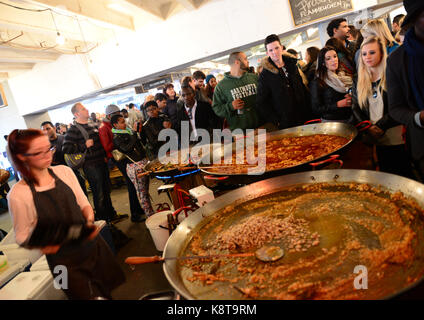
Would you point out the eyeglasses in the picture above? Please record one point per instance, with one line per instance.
(41, 153)
(151, 109)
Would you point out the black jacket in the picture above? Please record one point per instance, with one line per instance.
(58, 154)
(205, 118)
(171, 110)
(150, 132)
(386, 122)
(282, 102)
(129, 145)
(309, 71)
(402, 104)
(324, 102)
(74, 142)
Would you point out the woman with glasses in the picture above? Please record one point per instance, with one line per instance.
(369, 102)
(50, 212)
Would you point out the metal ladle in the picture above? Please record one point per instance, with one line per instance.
(265, 254)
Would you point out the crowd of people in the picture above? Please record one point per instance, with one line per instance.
(371, 74)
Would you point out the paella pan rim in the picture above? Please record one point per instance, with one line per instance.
(336, 128)
(183, 233)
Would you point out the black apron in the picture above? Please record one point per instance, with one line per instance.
(91, 266)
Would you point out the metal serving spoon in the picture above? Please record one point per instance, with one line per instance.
(265, 254)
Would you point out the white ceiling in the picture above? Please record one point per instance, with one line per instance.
(28, 28)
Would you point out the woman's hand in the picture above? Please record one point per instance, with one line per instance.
(50, 249)
(346, 102)
(95, 232)
(375, 131)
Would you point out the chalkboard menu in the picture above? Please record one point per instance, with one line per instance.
(306, 11)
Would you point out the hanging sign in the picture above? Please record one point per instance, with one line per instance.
(307, 11)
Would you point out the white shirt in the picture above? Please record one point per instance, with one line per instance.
(392, 136)
(193, 118)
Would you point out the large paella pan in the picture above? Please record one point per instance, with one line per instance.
(328, 222)
(288, 150)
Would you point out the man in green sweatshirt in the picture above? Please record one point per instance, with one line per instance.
(234, 97)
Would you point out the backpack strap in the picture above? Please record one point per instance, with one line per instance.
(83, 131)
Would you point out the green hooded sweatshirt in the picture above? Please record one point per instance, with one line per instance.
(230, 89)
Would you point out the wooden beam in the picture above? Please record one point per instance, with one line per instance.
(6, 66)
(41, 23)
(191, 4)
(8, 54)
(188, 4)
(96, 10)
(150, 6)
(166, 9)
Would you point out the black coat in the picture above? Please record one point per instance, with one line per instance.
(402, 104)
(276, 102)
(150, 133)
(129, 145)
(171, 110)
(324, 102)
(309, 70)
(386, 122)
(205, 118)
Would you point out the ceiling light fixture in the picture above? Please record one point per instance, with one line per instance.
(60, 40)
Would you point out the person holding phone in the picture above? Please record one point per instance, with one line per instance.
(49, 199)
(330, 96)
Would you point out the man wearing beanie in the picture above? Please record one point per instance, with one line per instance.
(405, 82)
(106, 138)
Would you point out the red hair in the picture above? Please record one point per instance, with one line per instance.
(18, 142)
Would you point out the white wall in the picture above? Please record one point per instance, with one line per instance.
(51, 83)
(9, 117)
(217, 26)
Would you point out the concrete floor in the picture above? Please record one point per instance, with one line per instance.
(147, 278)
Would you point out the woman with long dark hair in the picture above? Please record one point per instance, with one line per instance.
(310, 67)
(329, 90)
(210, 85)
(346, 58)
(48, 206)
(369, 102)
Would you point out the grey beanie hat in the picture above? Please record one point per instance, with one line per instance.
(112, 109)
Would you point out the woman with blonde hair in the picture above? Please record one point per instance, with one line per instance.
(377, 27)
(369, 102)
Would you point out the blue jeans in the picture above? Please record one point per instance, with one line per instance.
(98, 179)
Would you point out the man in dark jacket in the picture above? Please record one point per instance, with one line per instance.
(56, 141)
(171, 104)
(282, 97)
(198, 114)
(152, 127)
(339, 29)
(405, 82)
(94, 168)
(106, 139)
